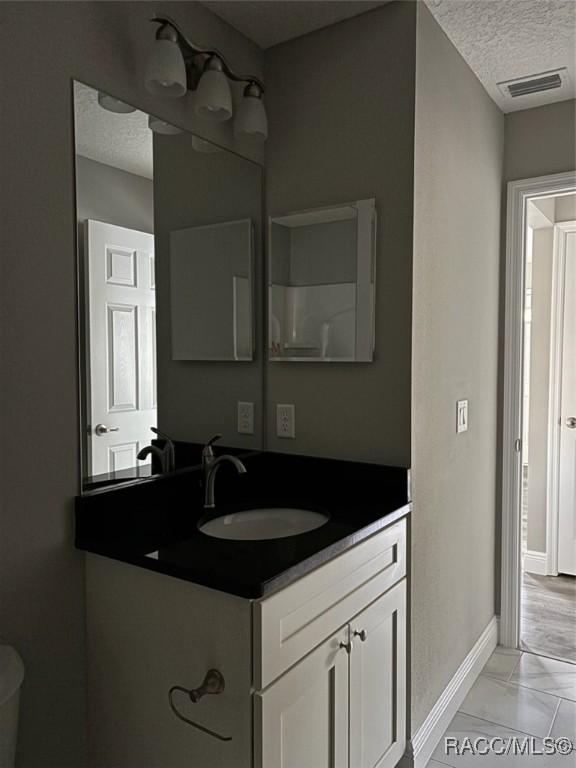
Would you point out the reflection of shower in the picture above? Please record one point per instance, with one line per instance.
(327, 328)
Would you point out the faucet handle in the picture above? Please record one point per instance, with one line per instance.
(161, 434)
(207, 452)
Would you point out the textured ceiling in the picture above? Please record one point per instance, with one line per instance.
(123, 141)
(269, 22)
(506, 39)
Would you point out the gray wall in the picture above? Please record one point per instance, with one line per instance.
(341, 103)
(44, 45)
(540, 141)
(324, 253)
(116, 197)
(458, 171)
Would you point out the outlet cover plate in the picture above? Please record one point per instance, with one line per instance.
(245, 418)
(285, 421)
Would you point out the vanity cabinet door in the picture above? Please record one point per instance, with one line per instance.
(378, 682)
(301, 720)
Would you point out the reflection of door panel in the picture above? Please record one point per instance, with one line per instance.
(121, 336)
(567, 486)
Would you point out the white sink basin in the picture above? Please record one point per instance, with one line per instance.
(266, 523)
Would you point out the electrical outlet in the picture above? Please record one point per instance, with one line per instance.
(246, 418)
(285, 421)
(461, 416)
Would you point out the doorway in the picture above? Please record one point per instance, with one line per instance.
(548, 533)
(539, 447)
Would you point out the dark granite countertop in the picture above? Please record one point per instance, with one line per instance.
(154, 523)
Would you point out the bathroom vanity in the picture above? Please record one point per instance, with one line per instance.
(257, 620)
(308, 631)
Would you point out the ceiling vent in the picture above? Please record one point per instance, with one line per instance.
(527, 86)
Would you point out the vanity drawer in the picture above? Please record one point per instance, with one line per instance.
(290, 623)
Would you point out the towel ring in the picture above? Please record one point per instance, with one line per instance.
(213, 684)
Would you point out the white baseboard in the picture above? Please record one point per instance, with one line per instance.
(535, 562)
(427, 737)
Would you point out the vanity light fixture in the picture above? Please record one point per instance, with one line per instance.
(166, 73)
(251, 121)
(114, 105)
(213, 95)
(178, 65)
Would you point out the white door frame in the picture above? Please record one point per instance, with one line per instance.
(519, 194)
(561, 231)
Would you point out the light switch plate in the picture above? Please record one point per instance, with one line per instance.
(246, 418)
(461, 416)
(285, 420)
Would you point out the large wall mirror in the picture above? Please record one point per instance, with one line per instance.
(170, 287)
(321, 275)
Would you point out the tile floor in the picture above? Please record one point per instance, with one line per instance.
(518, 694)
(548, 616)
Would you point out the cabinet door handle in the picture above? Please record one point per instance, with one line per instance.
(361, 634)
(347, 646)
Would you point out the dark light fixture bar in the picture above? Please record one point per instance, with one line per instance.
(192, 52)
(178, 65)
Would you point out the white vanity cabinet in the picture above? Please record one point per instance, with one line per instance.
(343, 706)
(315, 673)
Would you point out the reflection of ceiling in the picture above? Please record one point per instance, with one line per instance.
(122, 141)
(269, 22)
(506, 39)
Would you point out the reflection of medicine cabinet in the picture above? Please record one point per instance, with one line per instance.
(211, 273)
(321, 284)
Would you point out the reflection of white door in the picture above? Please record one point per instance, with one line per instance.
(567, 484)
(121, 335)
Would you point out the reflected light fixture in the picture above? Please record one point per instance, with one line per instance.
(178, 65)
(114, 105)
(203, 146)
(161, 126)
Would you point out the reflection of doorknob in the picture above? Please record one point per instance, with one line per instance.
(102, 429)
(571, 422)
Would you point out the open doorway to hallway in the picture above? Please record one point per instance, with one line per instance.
(548, 522)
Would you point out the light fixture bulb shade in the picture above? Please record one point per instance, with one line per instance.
(166, 73)
(203, 146)
(161, 126)
(213, 96)
(251, 121)
(114, 105)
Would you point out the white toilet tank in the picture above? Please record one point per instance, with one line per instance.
(11, 676)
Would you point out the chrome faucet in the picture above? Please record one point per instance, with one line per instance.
(208, 457)
(166, 456)
(210, 476)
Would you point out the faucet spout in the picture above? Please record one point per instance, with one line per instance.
(211, 476)
(155, 451)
